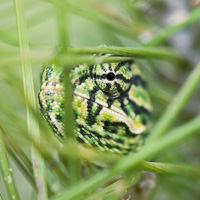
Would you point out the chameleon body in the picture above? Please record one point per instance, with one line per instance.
(110, 101)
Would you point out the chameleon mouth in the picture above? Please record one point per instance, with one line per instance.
(133, 127)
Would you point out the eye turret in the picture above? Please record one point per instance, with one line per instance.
(113, 79)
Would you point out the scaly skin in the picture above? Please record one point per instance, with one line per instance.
(111, 104)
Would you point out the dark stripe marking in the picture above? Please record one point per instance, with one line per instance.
(119, 141)
(119, 88)
(39, 101)
(83, 78)
(49, 108)
(138, 109)
(109, 102)
(55, 129)
(47, 83)
(92, 93)
(59, 118)
(103, 68)
(61, 78)
(89, 110)
(121, 77)
(123, 106)
(93, 136)
(107, 88)
(98, 139)
(103, 76)
(92, 117)
(113, 127)
(48, 73)
(120, 64)
(110, 68)
(137, 80)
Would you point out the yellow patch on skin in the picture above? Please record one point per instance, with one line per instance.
(107, 116)
(138, 124)
(80, 108)
(135, 70)
(132, 115)
(83, 109)
(139, 99)
(98, 127)
(126, 101)
(132, 140)
(90, 85)
(117, 104)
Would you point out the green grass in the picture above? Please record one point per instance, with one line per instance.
(29, 95)
(69, 32)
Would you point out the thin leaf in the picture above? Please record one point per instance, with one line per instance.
(38, 163)
(7, 171)
(176, 106)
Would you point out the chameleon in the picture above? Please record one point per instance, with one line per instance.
(111, 104)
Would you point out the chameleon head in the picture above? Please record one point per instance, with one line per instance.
(111, 104)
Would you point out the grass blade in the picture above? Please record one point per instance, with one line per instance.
(131, 51)
(178, 103)
(7, 171)
(74, 168)
(172, 169)
(132, 161)
(33, 129)
(164, 34)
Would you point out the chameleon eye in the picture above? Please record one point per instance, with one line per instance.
(113, 79)
(110, 76)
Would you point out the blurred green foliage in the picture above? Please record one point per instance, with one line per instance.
(90, 23)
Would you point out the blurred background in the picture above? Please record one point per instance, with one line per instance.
(127, 23)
